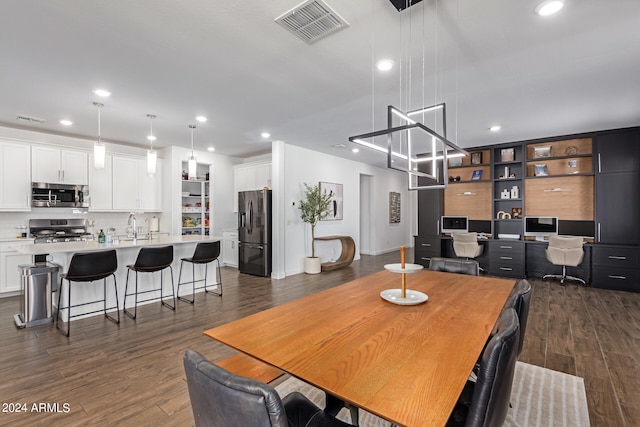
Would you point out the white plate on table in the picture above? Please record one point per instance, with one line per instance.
(412, 297)
(408, 268)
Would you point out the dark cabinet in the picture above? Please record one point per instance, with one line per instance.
(617, 208)
(507, 258)
(426, 247)
(618, 151)
(616, 267)
(429, 212)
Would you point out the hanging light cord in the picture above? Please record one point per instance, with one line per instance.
(192, 127)
(99, 105)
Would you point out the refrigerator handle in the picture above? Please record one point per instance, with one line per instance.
(250, 216)
(241, 220)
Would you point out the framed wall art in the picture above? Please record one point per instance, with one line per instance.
(394, 207)
(335, 208)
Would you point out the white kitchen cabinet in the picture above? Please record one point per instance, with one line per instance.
(230, 248)
(101, 186)
(250, 176)
(133, 189)
(15, 176)
(54, 165)
(9, 262)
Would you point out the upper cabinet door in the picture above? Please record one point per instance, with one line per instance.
(125, 183)
(74, 167)
(149, 194)
(101, 186)
(45, 165)
(618, 151)
(15, 176)
(53, 165)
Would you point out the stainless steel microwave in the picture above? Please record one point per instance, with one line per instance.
(44, 195)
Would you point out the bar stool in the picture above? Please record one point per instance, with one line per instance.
(150, 260)
(89, 267)
(205, 253)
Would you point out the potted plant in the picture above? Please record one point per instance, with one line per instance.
(313, 208)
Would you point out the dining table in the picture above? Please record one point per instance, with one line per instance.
(404, 363)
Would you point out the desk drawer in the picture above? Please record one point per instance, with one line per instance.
(514, 247)
(616, 256)
(514, 267)
(622, 279)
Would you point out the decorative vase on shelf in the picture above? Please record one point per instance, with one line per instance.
(514, 192)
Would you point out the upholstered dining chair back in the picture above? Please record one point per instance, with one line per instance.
(465, 245)
(455, 265)
(220, 398)
(565, 250)
(491, 392)
(520, 300)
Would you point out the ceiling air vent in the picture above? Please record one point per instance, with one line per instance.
(312, 20)
(30, 119)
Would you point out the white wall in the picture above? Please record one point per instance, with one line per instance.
(303, 165)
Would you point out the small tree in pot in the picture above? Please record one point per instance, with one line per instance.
(313, 208)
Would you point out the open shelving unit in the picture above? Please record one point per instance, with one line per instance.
(196, 202)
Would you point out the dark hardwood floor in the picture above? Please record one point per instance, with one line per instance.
(132, 374)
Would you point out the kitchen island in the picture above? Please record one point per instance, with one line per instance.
(127, 251)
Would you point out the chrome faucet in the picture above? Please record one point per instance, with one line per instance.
(132, 223)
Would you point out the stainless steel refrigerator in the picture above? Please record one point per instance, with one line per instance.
(254, 232)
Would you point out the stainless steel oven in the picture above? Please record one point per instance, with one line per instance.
(44, 195)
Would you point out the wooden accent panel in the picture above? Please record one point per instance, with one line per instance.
(574, 201)
(249, 367)
(559, 148)
(476, 204)
(561, 166)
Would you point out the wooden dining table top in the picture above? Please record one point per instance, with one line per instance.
(407, 364)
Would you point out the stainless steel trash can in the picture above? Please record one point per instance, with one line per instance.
(37, 282)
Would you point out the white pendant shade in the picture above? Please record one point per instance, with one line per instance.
(98, 155)
(192, 168)
(152, 156)
(192, 159)
(99, 150)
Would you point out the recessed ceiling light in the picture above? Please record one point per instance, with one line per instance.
(549, 7)
(265, 134)
(151, 138)
(211, 149)
(384, 64)
(495, 128)
(355, 150)
(201, 119)
(65, 122)
(102, 92)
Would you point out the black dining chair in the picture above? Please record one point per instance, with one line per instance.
(89, 267)
(455, 265)
(205, 253)
(150, 259)
(520, 300)
(221, 398)
(485, 402)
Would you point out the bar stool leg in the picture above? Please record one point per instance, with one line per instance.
(135, 307)
(113, 319)
(191, 301)
(219, 277)
(172, 307)
(68, 309)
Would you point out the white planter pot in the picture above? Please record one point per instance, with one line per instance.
(312, 265)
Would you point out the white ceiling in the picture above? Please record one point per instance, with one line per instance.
(491, 61)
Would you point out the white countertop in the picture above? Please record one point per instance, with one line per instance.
(16, 239)
(66, 247)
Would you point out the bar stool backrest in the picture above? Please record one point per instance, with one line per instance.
(154, 258)
(90, 266)
(206, 252)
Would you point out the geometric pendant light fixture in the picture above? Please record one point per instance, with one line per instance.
(192, 158)
(98, 147)
(152, 155)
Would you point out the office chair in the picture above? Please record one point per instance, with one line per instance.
(565, 251)
(485, 402)
(465, 245)
(221, 398)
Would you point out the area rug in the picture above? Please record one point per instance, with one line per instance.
(540, 397)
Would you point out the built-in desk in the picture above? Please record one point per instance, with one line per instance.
(504, 257)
